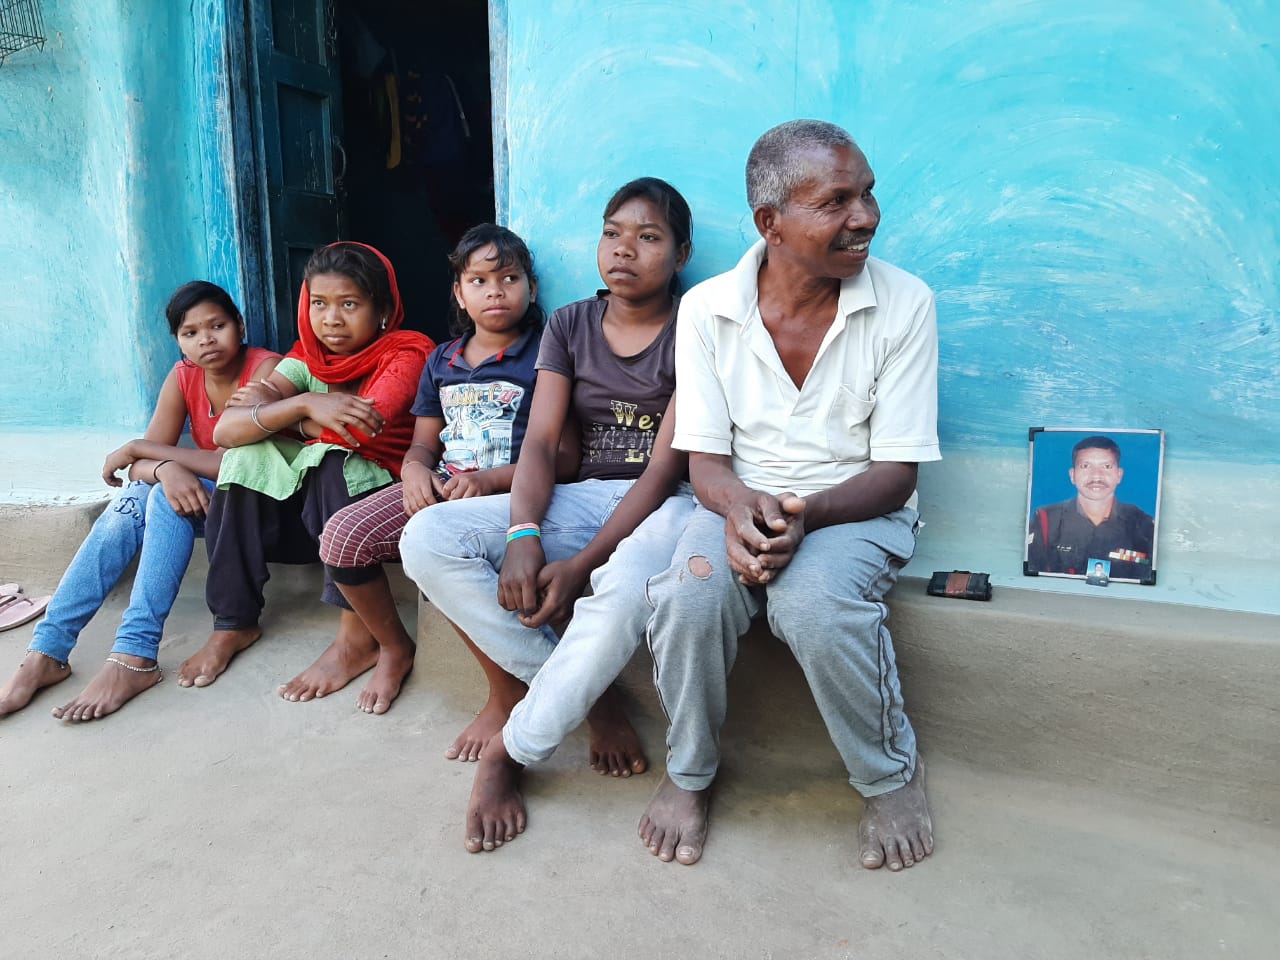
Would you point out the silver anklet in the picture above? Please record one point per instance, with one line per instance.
(120, 663)
(64, 666)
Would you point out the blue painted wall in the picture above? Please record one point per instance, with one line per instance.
(1088, 186)
(101, 210)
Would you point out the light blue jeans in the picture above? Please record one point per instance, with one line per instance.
(454, 551)
(606, 628)
(138, 518)
(827, 605)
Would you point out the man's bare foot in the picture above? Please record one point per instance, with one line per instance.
(111, 688)
(34, 674)
(394, 666)
(896, 830)
(495, 812)
(674, 825)
(352, 652)
(615, 746)
(488, 723)
(210, 661)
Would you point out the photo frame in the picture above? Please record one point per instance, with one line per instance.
(1093, 495)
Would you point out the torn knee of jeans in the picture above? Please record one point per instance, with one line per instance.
(700, 567)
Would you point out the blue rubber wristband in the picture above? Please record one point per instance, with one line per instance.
(523, 533)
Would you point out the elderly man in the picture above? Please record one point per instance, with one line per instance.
(807, 396)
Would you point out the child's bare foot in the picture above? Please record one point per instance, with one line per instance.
(111, 688)
(487, 724)
(394, 666)
(352, 652)
(495, 812)
(615, 747)
(896, 830)
(674, 826)
(210, 661)
(36, 672)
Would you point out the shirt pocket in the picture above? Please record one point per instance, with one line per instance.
(849, 425)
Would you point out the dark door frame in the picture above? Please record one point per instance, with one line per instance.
(257, 289)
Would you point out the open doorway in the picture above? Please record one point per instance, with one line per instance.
(418, 140)
(357, 120)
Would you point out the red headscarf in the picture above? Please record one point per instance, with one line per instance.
(376, 360)
(333, 368)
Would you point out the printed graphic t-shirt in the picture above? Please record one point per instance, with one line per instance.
(485, 408)
(618, 401)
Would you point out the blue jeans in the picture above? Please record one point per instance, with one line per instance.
(606, 628)
(454, 550)
(827, 605)
(138, 518)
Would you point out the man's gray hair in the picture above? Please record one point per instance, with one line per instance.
(774, 167)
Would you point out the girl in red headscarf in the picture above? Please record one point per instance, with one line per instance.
(330, 425)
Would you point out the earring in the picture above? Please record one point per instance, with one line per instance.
(383, 324)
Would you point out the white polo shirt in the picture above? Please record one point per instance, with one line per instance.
(872, 393)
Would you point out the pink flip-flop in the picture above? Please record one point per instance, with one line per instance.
(16, 610)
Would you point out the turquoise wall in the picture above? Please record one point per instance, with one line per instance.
(101, 211)
(1088, 186)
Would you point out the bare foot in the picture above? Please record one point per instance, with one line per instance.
(615, 747)
(352, 652)
(394, 666)
(495, 812)
(110, 689)
(674, 825)
(34, 674)
(487, 724)
(210, 661)
(896, 830)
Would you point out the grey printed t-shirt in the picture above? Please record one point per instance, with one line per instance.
(618, 401)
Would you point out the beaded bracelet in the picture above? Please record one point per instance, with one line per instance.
(524, 533)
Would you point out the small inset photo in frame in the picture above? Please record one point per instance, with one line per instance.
(1094, 504)
(1099, 572)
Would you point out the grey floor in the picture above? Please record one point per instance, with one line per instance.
(225, 822)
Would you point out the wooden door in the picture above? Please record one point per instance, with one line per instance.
(295, 82)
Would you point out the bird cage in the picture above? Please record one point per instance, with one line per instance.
(21, 26)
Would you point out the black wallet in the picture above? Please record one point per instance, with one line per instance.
(961, 584)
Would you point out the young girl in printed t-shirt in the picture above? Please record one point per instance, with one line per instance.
(472, 407)
(345, 389)
(608, 364)
(155, 516)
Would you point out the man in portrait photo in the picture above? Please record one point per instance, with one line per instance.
(1066, 537)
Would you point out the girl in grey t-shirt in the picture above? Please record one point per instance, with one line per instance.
(606, 375)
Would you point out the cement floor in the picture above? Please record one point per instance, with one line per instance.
(225, 822)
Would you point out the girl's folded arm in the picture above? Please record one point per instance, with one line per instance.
(391, 393)
(241, 425)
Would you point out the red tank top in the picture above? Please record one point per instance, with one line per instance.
(200, 413)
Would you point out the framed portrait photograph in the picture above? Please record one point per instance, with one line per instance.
(1093, 504)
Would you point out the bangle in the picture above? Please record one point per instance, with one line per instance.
(524, 526)
(253, 415)
(300, 430)
(155, 476)
(409, 463)
(524, 533)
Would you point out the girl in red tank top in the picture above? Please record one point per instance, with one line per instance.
(155, 514)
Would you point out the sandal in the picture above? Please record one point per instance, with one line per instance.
(15, 610)
(9, 590)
